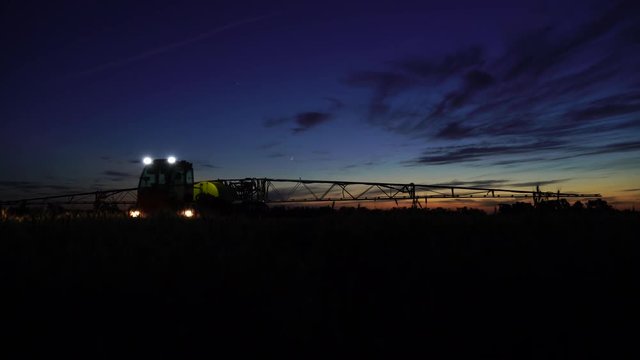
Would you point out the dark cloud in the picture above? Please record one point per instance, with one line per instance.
(475, 183)
(603, 111)
(472, 153)
(384, 81)
(558, 88)
(631, 190)
(118, 176)
(537, 52)
(114, 173)
(477, 79)
(454, 131)
(15, 183)
(365, 164)
(134, 161)
(518, 161)
(515, 126)
(209, 166)
(308, 120)
(613, 148)
(576, 152)
(31, 186)
(474, 81)
(417, 73)
(538, 183)
(440, 69)
(383, 85)
(303, 121)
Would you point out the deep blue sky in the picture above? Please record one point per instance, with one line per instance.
(507, 93)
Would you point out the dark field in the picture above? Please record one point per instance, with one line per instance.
(434, 284)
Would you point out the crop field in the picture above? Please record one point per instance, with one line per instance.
(323, 283)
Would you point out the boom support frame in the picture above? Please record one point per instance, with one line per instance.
(282, 191)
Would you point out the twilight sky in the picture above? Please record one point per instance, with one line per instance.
(507, 94)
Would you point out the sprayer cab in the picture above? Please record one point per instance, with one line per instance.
(165, 185)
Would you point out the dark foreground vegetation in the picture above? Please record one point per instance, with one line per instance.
(517, 285)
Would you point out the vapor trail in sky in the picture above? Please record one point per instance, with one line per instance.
(172, 46)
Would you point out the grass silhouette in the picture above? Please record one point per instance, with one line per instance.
(350, 282)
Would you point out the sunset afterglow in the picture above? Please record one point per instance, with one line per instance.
(501, 94)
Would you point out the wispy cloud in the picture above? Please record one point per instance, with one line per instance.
(302, 122)
(475, 183)
(614, 148)
(441, 69)
(552, 95)
(538, 183)
(118, 176)
(115, 173)
(308, 120)
(209, 166)
(500, 183)
(441, 156)
(33, 186)
(361, 165)
(509, 154)
(383, 84)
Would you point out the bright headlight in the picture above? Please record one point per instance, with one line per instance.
(171, 160)
(188, 213)
(147, 161)
(134, 213)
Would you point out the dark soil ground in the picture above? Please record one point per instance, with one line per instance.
(324, 284)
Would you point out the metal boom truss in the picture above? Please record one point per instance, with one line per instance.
(99, 199)
(275, 191)
(301, 191)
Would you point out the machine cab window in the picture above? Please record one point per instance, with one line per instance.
(165, 183)
(148, 177)
(189, 176)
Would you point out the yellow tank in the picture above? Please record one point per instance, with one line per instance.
(212, 190)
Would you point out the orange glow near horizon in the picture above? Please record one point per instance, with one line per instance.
(488, 205)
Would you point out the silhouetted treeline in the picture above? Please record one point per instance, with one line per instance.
(53, 211)
(561, 205)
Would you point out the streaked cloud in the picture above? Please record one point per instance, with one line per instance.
(308, 120)
(302, 122)
(553, 94)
